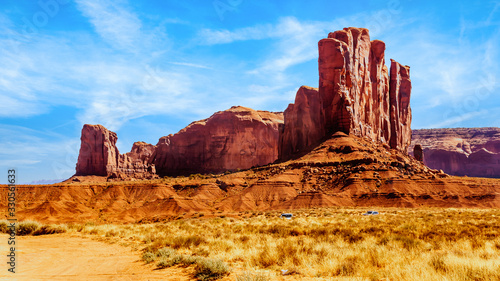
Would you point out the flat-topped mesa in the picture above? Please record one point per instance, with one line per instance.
(473, 152)
(99, 156)
(356, 95)
(237, 138)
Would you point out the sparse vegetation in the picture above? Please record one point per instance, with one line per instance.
(33, 228)
(333, 243)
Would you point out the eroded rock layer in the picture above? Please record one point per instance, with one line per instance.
(357, 95)
(471, 152)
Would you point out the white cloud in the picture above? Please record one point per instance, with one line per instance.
(113, 22)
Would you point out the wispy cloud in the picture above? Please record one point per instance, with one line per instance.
(453, 121)
(452, 77)
(24, 149)
(191, 65)
(113, 22)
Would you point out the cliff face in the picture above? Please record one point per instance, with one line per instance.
(302, 130)
(98, 153)
(355, 93)
(99, 156)
(237, 138)
(471, 152)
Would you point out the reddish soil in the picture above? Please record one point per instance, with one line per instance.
(62, 257)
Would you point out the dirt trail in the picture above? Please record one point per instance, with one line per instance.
(63, 257)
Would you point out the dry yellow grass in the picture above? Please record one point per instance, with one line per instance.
(325, 244)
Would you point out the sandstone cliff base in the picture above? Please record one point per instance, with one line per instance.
(342, 171)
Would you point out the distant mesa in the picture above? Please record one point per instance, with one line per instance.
(473, 152)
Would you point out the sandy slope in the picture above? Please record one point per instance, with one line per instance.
(62, 257)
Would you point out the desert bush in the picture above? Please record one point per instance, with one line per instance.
(50, 229)
(169, 261)
(4, 227)
(148, 257)
(165, 252)
(27, 227)
(210, 269)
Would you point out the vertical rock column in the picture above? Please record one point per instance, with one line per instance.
(400, 91)
(98, 153)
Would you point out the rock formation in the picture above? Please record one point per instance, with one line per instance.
(356, 95)
(237, 138)
(99, 156)
(471, 152)
(98, 153)
(302, 131)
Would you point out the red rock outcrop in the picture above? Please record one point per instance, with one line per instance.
(302, 131)
(473, 152)
(355, 94)
(99, 156)
(137, 163)
(237, 138)
(98, 153)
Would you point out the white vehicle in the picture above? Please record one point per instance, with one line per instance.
(286, 216)
(370, 213)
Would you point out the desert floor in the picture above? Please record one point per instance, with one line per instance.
(66, 257)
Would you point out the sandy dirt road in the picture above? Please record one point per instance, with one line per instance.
(63, 257)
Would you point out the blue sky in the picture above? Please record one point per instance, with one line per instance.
(145, 69)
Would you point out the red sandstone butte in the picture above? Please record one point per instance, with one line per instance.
(237, 138)
(98, 153)
(99, 156)
(473, 152)
(356, 95)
